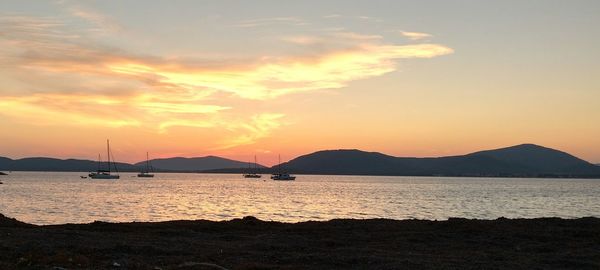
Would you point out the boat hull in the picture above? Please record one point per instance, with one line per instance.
(147, 175)
(283, 177)
(103, 176)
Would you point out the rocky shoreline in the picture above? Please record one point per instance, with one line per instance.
(249, 243)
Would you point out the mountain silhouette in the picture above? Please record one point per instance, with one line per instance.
(525, 160)
(196, 163)
(54, 164)
(521, 160)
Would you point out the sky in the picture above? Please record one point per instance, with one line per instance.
(267, 78)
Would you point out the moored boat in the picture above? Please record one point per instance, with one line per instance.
(146, 171)
(282, 176)
(105, 174)
(252, 173)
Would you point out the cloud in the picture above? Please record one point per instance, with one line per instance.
(302, 40)
(276, 77)
(415, 35)
(101, 23)
(271, 21)
(368, 18)
(356, 36)
(260, 126)
(48, 109)
(351, 56)
(53, 73)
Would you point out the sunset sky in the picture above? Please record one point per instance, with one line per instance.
(244, 78)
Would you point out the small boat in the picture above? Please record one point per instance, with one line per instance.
(282, 176)
(83, 176)
(105, 174)
(3, 173)
(253, 174)
(146, 171)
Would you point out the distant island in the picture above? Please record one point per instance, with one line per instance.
(196, 164)
(177, 164)
(525, 160)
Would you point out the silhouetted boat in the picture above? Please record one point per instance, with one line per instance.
(282, 176)
(146, 171)
(253, 174)
(105, 174)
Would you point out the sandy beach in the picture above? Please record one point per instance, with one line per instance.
(249, 243)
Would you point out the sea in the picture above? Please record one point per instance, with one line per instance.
(64, 197)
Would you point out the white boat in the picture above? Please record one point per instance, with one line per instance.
(253, 174)
(146, 171)
(105, 174)
(282, 176)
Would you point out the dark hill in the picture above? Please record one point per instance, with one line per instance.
(520, 160)
(537, 157)
(53, 164)
(196, 164)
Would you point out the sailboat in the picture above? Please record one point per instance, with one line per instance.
(146, 171)
(282, 176)
(253, 174)
(105, 174)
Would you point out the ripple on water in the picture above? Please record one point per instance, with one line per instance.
(51, 198)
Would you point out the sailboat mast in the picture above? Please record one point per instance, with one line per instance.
(108, 154)
(147, 163)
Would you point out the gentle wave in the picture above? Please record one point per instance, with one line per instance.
(62, 197)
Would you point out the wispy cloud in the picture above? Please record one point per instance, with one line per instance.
(302, 39)
(276, 77)
(271, 21)
(258, 127)
(415, 35)
(101, 23)
(59, 74)
(368, 18)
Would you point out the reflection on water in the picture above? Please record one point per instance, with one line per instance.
(52, 198)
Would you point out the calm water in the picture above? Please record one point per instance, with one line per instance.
(52, 198)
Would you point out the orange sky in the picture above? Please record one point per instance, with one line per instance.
(286, 81)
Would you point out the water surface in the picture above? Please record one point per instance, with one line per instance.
(63, 197)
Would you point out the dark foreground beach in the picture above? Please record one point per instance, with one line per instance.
(548, 243)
